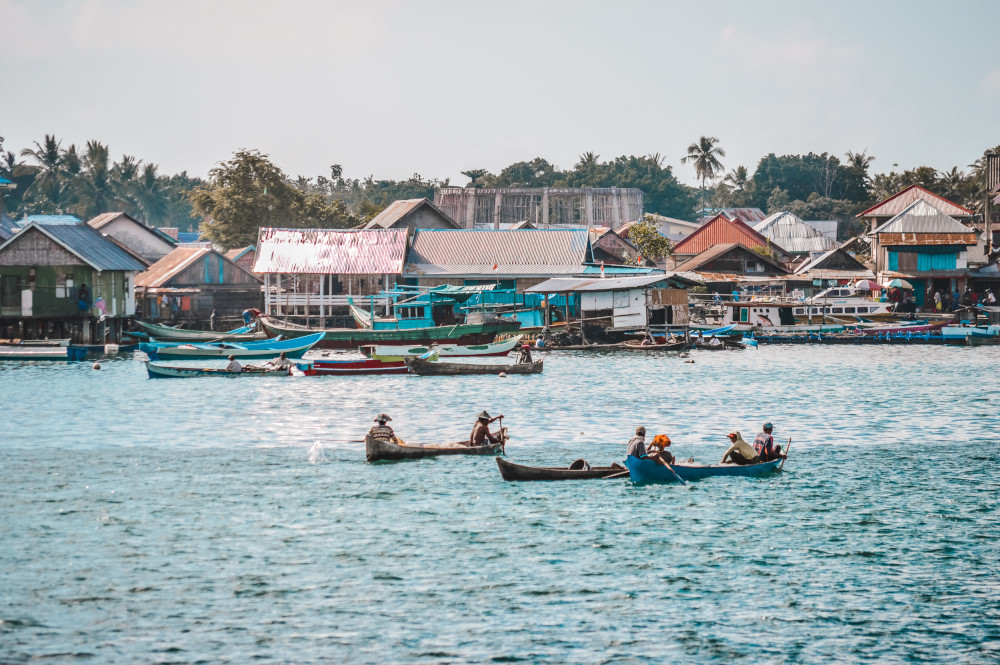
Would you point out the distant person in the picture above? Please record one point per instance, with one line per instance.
(989, 299)
(174, 307)
(382, 431)
(540, 342)
(248, 316)
(736, 295)
(211, 320)
(83, 298)
(714, 341)
(524, 357)
(956, 300)
(716, 297)
(281, 362)
(481, 431)
(740, 452)
(637, 447)
(764, 446)
(234, 365)
(937, 301)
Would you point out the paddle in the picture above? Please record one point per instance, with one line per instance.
(620, 474)
(671, 469)
(503, 439)
(787, 446)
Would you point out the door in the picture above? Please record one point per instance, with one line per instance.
(10, 295)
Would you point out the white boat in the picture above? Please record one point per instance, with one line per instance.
(391, 352)
(19, 352)
(971, 335)
(34, 342)
(292, 348)
(843, 301)
(771, 317)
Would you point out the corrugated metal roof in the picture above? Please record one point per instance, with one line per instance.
(8, 227)
(331, 251)
(170, 265)
(927, 239)
(748, 216)
(234, 254)
(568, 284)
(827, 227)
(820, 273)
(896, 203)
(86, 244)
(475, 252)
(400, 209)
(721, 229)
(49, 219)
(794, 235)
(715, 251)
(591, 269)
(817, 262)
(921, 217)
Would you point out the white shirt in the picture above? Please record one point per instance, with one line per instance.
(234, 366)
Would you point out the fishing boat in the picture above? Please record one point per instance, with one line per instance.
(971, 335)
(392, 353)
(353, 367)
(643, 471)
(763, 316)
(665, 346)
(379, 450)
(519, 472)
(161, 371)
(173, 334)
(34, 342)
(292, 348)
(31, 352)
(427, 368)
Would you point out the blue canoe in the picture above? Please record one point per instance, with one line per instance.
(643, 471)
(292, 348)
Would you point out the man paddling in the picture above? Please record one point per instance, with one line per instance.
(481, 431)
(381, 430)
(637, 447)
(764, 446)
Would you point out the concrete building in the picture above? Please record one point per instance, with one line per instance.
(545, 207)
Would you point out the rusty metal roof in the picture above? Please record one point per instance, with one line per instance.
(715, 251)
(397, 210)
(904, 239)
(170, 265)
(721, 229)
(899, 201)
(494, 253)
(331, 251)
(794, 235)
(817, 263)
(920, 218)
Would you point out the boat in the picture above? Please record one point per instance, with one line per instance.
(971, 335)
(292, 348)
(519, 472)
(30, 352)
(379, 450)
(666, 346)
(844, 301)
(161, 371)
(643, 471)
(34, 342)
(427, 368)
(763, 316)
(353, 367)
(158, 331)
(615, 346)
(391, 352)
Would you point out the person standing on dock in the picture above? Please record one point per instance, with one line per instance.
(937, 301)
(481, 431)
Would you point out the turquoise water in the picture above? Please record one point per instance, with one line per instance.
(186, 521)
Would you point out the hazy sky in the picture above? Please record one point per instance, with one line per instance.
(392, 88)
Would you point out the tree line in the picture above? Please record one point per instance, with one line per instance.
(249, 191)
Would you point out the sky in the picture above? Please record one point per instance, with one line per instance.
(389, 89)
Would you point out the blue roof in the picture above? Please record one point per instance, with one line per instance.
(617, 270)
(49, 219)
(8, 227)
(185, 236)
(87, 244)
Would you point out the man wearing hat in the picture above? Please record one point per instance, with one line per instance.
(382, 431)
(764, 446)
(740, 452)
(481, 432)
(234, 365)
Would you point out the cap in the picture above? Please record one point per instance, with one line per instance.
(382, 418)
(231, 358)
(768, 425)
(484, 415)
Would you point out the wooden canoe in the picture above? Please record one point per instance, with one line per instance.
(174, 334)
(669, 346)
(380, 450)
(160, 371)
(427, 368)
(391, 353)
(353, 367)
(643, 471)
(292, 348)
(519, 472)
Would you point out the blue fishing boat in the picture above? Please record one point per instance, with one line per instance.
(643, 471)
(292, 348)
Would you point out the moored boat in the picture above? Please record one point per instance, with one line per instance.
(379, 450)
(349, 338)
(398, 352)
(34, 342)
(161, 371)
(173, 334)
(21, 352)
(292, 348)
(518, 472)
(425, 367)
(354, 367)
(666, 346)
(643, 471)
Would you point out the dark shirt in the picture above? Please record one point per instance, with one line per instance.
(763, 445)
(382, 432)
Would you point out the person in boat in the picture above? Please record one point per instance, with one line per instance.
(714, 341)
(658, 446)
(525, 356)
(281, 362)
(763, 444)
(381, 430)
(540, 342)
(637, 447)
(739, 452)
(481, 434)
(234, 365)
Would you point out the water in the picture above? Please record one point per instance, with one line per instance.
(228, 520)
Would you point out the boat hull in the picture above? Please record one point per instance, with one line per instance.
(674, 346)
(354, 367)
(292, 348)
(427, 368)
(158, 371)
(643, 471)
(377, 450)
(519, 472)
(397, 352)
(351, 338)
(171, 334)
(18, 352)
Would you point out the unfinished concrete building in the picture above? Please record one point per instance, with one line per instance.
(544, 207)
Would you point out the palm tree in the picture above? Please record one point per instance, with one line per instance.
(951, 182)
(123, 174)
(705, 156)
(95, 187)
(151, 200)
(50, 160)
(738, 179)
(859, 160)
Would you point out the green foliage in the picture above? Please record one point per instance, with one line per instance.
(802, 175)
(777, 201)
(822, 207)
(705, 156)
(648, 240)
(249, 192)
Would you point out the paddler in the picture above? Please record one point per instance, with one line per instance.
(525, 355)
(740, 452)
(381, 430)
(234, 365)
(481, 432)
(281, 362)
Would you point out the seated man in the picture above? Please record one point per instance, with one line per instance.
(714, 341)
(763, 445)
(659, 446)
(481, 434)
(281, 362)
(637, 447)
(234, 365)
(740, 452)
(525, 355)
(382, 431)
(637, 444)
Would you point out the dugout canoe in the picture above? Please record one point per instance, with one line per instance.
(354, 367)
(160, 371)
(174, 334)
(519, 472)
(669, 346)
(643, 471)
(379, 450)
(427, 368)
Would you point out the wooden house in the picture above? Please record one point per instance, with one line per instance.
(721, 230)
(42, 270)
(243, 257)
(148, 243)
(412, 214)
(190, 283)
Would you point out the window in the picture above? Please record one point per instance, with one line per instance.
(744, 314)
(850, 310)
(800, 310)
(838, 310)
(61, 290)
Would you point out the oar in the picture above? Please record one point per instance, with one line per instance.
(787, 446)
(671, 469)
(503, 439)
(620, 474)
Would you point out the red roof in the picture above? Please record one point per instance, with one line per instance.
(722, 230)
(896, 203)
